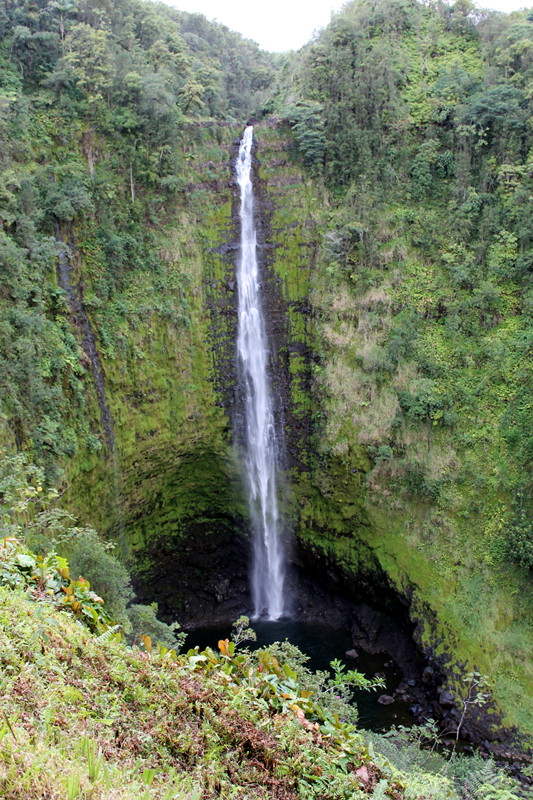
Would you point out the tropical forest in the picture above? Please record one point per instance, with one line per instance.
(266, 405)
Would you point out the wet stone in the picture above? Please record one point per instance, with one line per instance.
(446, 699)
(386, 700)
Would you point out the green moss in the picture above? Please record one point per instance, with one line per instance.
(479, 617)
(159, 371)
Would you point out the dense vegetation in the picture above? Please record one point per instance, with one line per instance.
(95, 102)
(418, 118)
(409, 128)
(84, 716)
(91, 715)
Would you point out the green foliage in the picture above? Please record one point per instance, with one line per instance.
(92, 716)
(480, 778)
(422, 305)
(29, 513)
(426, 235)
(418, 748)
(333, 693)
(520, 533)
(241, 631)
(97, 109)
(308, 127)
(297, 723)
(144, 622)
(496, 111)
(49, 576)
(414, 116)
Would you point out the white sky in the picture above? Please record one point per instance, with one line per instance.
(280, 25)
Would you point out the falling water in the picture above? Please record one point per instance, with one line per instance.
(261, 451)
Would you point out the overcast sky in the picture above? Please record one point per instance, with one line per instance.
(279, 25)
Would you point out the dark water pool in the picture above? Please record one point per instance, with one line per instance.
(322, 645)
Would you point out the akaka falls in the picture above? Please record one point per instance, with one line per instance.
(261, 449)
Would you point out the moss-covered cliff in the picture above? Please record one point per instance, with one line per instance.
(422, 306)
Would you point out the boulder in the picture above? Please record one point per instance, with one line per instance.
(386, 699)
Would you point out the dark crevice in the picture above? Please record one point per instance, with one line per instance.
(74, 293)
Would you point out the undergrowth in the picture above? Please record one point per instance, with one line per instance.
(85, 716)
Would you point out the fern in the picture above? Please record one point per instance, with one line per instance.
(480, 779)
(424, 785)
(114, 632)
(490, 792)
(380, 790)
(486, 774)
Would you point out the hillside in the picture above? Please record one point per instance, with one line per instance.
(85, 717)
(418, 120)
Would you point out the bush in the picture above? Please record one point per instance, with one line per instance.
(48, 577)
(520, 535)
(144, 622)
(30, 518)
(90, 557)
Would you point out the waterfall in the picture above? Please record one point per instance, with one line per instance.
(261, 458)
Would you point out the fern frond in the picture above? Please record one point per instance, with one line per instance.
(110, 633)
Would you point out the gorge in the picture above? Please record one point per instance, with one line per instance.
(391, 220)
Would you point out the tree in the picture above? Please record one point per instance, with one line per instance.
(89, 56)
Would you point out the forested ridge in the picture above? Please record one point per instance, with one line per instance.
(419, 120)
(395, 149)
(417, 117)
(96, 101)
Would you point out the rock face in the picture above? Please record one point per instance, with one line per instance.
(171, 494)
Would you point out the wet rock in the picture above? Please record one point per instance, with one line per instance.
(222, 591)
(352, 654)
(446, 699)
(377, 632)
(407, 698)
(427, 675)
(416, 710)
(386, 699)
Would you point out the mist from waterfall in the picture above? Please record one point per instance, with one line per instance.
(261, 457)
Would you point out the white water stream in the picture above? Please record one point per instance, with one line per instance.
(268, 568)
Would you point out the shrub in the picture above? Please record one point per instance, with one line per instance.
(144, 622)
(520, 534)
(90, 557)
(48, 577)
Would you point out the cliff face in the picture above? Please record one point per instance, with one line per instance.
(165, 483)
(171, 480)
